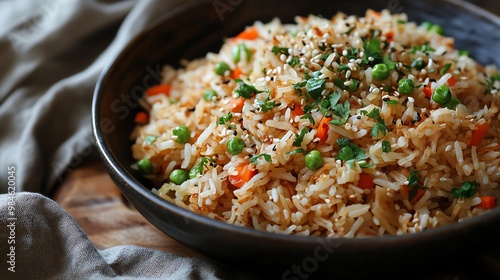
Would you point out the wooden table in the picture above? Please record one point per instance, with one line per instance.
(89, 195)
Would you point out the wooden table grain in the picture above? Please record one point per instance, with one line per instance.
(89, 195)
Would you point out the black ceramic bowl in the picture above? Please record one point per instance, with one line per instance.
(200, 26)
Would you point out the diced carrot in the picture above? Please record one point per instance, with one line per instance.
(245, 173)
(235, 74)
(452, 81)
(322, 133)
(487, 202)
(478, 134)
(365, 181)
(235, 105)
(159, 89)
(428, 91)
(405, 192)
(250, 33)
(420, 193)
(296, 110)
(389, 36)
(141, 118)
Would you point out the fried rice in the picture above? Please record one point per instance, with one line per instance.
(351, 126)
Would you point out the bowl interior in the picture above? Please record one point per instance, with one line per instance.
(197, 27)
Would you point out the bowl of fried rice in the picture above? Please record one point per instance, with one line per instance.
(310, 138)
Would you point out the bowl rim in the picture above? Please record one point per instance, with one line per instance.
(116, 170)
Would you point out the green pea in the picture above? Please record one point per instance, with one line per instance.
(442, 95)
(418, 64)
(237, 52)
(235, 145)
(381, 71)
(221, 68)
(183, 134)
(354, 85)
(314, 160)
(145, 166)
(427, 25)
(209, 95)
(406, 86)
(178, 176)
(438, 29)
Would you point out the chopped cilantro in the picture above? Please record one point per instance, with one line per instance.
(463, 53)
(334, 98)
(295, 60)
(372, 49)
(325, 55)
(425, 48)
(315, 87)
(266, 105)
(414, 184)
(298, 87)
(278, 50)
(466, 190)
(254, 159)
(299, 138)
(380, 125)
(245, 90)
(349, 151)
(386, 146)
(341, 110)
(225, 119)
(309, 117)
(339, 83)
(198, 169)
(343, 67)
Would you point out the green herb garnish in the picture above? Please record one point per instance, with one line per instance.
(278, 50)
(225, 119)
(466, 190)
(266, 105)
(380, 125)
(245, 90)
(349, 151)
(372, 49)
(386, 146)
(254, 159)
(299, 138)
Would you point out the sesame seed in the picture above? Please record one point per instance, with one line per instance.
(371, 59)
